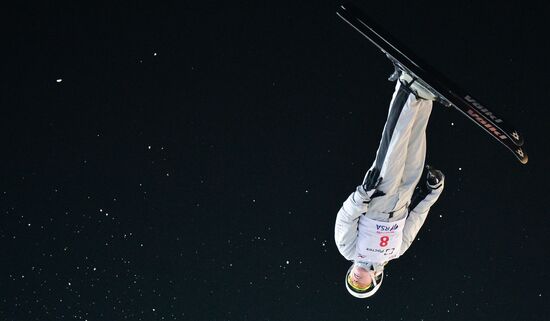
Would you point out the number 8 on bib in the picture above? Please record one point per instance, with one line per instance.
(379, 242)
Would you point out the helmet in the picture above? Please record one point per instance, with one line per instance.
(377, 278)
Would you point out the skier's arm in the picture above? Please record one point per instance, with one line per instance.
(347, 220)
(418, 215)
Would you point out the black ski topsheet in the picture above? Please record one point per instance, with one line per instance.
(448, 95)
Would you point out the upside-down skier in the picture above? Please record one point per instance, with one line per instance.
(381, 218)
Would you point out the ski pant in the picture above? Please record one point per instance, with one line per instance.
(401, 154)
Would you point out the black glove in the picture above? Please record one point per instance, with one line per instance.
(370, 185)
(434, 178)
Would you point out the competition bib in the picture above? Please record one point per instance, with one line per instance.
(379, 242)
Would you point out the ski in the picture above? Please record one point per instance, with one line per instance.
(447, 95)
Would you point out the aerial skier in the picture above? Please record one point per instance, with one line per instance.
(381, 218)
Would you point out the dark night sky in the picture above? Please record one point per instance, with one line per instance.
(186, 160)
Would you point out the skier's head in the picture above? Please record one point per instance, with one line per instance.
(362, 281)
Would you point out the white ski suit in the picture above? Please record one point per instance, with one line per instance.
(400, 159)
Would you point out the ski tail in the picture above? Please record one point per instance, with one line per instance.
(487, 120)
(494, 120)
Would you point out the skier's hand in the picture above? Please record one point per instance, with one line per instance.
(434, 178)
(370, 185)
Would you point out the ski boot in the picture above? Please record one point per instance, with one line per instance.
(413, 84)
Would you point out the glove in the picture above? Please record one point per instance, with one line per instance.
(370, 184)
(434, 178)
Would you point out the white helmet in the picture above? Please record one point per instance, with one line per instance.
(376, 276)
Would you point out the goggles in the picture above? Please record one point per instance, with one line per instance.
(359, 291)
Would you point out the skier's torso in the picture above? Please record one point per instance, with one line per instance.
(380, 236)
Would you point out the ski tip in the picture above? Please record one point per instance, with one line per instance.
(521, 155)
(342, 8)
(347, 8)
(524, 160)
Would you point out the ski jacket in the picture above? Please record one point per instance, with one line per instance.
(347, 232)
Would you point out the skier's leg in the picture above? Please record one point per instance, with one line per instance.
(392, 152)
(416, 152)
